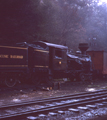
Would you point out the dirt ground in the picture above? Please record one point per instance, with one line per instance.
(19, 94)
(28, 92)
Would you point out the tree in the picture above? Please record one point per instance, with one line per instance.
(58, 21)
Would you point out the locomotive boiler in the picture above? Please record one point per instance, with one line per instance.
(80, 64)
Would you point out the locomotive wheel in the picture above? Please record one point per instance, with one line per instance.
(36, 80)
(82, 77)
(10, 81)
(71, 78)
(90, 77)
(49, 81)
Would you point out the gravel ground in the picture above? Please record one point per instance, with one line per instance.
(19, 94)
(29, 92)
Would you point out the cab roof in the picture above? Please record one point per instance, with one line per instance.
(41, 43)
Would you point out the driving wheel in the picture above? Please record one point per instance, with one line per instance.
(82, 77)
(36, 80)
(10, 81)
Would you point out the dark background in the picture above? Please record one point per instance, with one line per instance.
(66, 22)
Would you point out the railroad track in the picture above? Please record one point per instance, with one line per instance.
(52, 105)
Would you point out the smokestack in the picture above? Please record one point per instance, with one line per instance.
(83, 47)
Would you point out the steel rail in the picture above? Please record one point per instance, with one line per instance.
(53, 99)
(65, 105)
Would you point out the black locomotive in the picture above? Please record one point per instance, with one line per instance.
(40, 62)
(80, 64)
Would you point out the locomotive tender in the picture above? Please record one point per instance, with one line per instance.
(39, 61)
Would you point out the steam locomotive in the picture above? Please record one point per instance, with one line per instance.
(80, 64)
(41, 62)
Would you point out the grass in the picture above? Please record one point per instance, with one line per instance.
(58, 79)
(105, 87)
(93, 86)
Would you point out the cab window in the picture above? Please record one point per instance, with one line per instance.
(58, 53)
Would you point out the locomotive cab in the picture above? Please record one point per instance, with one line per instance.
(57, 59)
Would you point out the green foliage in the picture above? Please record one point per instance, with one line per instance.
(58, 21)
